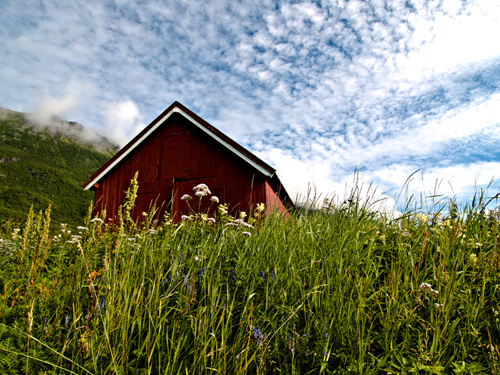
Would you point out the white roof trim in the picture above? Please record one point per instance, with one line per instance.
(158, 124)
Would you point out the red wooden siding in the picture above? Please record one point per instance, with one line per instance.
(173, 159)
(182, 153)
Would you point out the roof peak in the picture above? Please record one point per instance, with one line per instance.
(211, 131)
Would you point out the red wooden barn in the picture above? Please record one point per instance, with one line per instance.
(176, 152)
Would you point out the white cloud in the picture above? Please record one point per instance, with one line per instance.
(311, 182)
(450, 182)
(75, 94)
(123, 121)
(447, 39)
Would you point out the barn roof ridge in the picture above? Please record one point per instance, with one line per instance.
(196, 120)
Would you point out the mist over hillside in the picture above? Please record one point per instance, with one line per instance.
(40, 121)
(44, 161)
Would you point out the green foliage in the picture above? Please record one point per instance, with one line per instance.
(39, 169)
(338, 291)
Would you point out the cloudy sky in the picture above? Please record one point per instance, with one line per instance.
(316, 89)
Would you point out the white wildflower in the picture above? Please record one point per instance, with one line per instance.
(243, 224)
(425, 287)
(211, 220)
(438, 306)
(185, 217)
(248, 234)
(186, 197)
(85, 229)
(200, 194)
(97, 220)
(214, 199)
(202, 188)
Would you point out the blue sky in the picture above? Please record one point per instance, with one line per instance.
(316, 89)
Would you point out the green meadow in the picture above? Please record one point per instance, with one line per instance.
(342, 289)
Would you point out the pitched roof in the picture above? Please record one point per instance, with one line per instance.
(217, 135)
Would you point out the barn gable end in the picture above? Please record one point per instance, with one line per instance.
(177, 151)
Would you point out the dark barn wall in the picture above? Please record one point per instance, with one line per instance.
(171, 162)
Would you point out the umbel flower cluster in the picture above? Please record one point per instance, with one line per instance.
(200, 190)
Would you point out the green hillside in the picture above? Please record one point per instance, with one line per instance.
(43, 166)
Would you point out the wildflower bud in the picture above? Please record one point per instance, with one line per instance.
(186, 197)
(214, 199)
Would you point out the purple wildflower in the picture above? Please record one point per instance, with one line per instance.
(202, 271)
(100, 305)
(263, 275)
(257, 335)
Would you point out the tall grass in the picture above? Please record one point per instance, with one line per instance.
(335, 291)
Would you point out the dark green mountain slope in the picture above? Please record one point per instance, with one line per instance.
(46, 165)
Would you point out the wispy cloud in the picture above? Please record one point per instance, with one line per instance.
(316, 88)
(122, 121)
